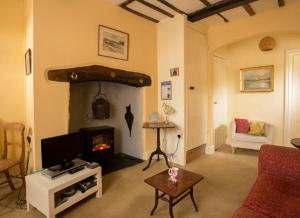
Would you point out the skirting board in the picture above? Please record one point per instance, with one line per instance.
(195, 153)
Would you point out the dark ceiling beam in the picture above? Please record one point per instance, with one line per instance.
(124, 6)
(249, 9)
(281, 3)
(207, 3)
(164, 2)
(125, 3)
(155, 8)
(218, 7)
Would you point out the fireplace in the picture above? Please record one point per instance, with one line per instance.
(98, 143)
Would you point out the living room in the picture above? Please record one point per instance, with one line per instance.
(65, 35)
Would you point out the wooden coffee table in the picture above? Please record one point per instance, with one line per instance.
(176, 191)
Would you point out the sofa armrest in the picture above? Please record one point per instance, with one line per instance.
(280, 161)
(233, 129)
(269, 133)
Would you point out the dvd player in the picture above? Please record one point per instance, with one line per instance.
(78, 165)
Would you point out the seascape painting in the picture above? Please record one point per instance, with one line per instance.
(113, 43)
(257, 79)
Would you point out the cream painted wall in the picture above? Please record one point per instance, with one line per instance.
(279, 20)
(170, 54)
(183, 44)
(66, 34)
(282, 20)
(29, 91)
(12, 50)
(264, 106)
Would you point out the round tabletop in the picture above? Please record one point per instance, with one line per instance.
(296, 142)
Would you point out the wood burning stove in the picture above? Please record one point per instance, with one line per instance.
(98, 143)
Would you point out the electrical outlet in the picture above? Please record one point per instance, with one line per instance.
(179, 134)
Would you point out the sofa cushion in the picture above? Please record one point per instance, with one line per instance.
(242, 125)
(274, 197)
(257, 128)
(250, 138)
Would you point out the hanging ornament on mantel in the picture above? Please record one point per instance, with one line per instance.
(267, 43)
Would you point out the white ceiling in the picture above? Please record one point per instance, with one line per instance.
(189, 6)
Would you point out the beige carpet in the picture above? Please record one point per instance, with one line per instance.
(228, 179)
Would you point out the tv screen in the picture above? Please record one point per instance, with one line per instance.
(62, 149)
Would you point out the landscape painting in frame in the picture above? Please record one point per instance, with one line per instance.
(257, 79)
(113, 43)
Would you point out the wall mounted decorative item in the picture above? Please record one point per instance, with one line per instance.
(166, 90)
(28, 61)
(174, 71)
(129, 118)
(257, 79)
(113, 43)
(267, 43)
(100, 105)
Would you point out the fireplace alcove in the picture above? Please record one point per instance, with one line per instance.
(121, 89)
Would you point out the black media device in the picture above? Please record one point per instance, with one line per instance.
(58, 152)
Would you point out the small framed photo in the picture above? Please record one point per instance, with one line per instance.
(257, 79)
(174, 71)
(28, 61)
(113, 43)
(166, 90)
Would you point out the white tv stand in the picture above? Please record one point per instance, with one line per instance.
(40, 190)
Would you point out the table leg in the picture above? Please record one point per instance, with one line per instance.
(171, 207)
(193, 200)
(150, 159)
(158, 151)
(166, 159)
(156, 202)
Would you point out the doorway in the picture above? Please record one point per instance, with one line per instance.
(292, 96)
(219, 101)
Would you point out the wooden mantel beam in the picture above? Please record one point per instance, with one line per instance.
(99, 73)
(218, 7)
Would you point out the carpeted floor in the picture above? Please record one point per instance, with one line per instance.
(228, 179)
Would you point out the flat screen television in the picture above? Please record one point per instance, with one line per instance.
(59, 151)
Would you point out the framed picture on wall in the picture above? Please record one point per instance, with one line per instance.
(166, 90)
(174, 71)
(113, 43)
(257, 79)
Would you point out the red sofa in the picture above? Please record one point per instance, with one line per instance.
(276, 192)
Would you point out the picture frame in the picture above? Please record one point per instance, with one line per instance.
(166, 90)
(28, 61)
(113, 43)
(257, 79)
(174, 71)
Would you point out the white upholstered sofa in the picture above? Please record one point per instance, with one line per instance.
(242, 140)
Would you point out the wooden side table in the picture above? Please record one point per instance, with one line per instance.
(158, 151)
(176, 191)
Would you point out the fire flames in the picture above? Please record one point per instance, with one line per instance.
(100, 147)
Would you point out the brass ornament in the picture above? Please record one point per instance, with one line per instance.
(113, 75)
(74, 76)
